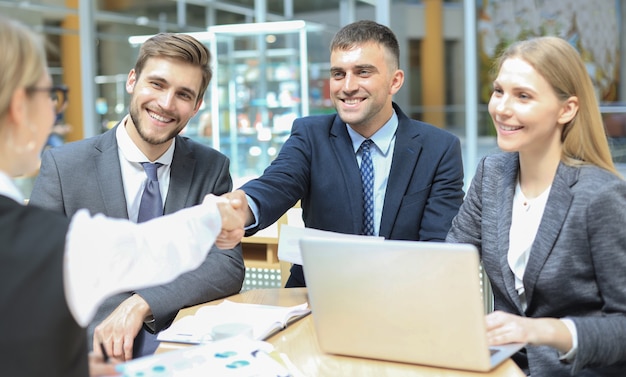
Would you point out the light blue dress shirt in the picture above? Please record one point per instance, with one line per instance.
(382, 155)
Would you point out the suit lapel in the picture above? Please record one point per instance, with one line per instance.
(109, 174)
(341, 145)
(408, 147)
(554, 215)
(506, 190)
(181, 176)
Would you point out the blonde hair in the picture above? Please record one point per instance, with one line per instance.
(22, 62)
(584, 139)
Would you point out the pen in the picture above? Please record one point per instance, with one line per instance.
(105, 356)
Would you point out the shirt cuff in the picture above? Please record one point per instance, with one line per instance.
(571, 354)
(149, 323)
(255, 212)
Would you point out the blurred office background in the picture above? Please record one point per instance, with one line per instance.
(270, 59)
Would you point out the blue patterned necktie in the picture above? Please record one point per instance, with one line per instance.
(367, 179)
(151, 204)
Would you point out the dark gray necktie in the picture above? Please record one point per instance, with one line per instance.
(151, 205)
(367, 180)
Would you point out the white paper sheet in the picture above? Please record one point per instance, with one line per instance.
(289, 241)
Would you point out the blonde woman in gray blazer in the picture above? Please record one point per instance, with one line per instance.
(549, 217)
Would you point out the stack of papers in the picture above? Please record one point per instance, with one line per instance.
(234, 357)
(210, 323)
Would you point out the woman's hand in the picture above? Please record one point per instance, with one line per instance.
(504, 328)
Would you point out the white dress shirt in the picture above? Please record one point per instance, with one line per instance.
(104, 256)
(527, 214)
(134, 177)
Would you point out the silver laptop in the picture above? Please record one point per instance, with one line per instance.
(414, 302)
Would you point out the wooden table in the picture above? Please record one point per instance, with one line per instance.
(299, 343)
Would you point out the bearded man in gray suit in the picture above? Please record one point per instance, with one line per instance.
(105, 175)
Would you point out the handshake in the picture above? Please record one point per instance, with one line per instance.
(235, 214)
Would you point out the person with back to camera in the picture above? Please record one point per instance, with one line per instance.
(417, 184)
(547, 216)
(54, 270)
(105, 174)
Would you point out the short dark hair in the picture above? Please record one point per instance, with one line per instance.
(364, 31)
(180, 47)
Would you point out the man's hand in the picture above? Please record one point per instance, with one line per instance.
(118, 331)
(243, 211)
(233, 208)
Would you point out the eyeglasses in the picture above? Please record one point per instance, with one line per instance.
(58, 95)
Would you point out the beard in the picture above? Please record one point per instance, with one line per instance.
(153, 140)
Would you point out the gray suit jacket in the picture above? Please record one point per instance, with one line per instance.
(87, 174)
(577, 264)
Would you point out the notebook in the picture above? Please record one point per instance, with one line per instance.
(413, 302)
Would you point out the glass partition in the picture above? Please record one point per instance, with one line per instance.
(265, 76)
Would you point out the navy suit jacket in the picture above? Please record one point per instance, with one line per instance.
(577, 263)
(87, 174)
(318, 166)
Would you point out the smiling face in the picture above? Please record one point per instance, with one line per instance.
(362, 83)
(526, 112)
(163, 99)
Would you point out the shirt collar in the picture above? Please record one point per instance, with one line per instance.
(8, 188)
(132, 153)
(382, 138)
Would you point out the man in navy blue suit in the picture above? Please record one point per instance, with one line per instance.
(418, 169)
